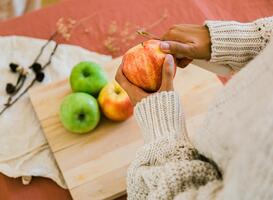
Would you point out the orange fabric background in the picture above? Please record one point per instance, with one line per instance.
(142, 13)
(42, 24)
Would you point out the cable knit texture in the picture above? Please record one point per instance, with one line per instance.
(167, 164)
(235, 43)
(160, 115)
(236, 135)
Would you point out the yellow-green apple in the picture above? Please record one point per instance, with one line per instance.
(142, 65)
(87, 77)
(79, 112)
(114, 102)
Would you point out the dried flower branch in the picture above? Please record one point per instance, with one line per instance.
(22, 77)
(44, 46)
(10, 102)
(128, 33)
(109, 43)
(65, 28)
(112, 29)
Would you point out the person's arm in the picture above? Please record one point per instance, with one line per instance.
(167, 164)
(225, 42)
(235, 43)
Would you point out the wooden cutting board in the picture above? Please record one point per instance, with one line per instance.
(94, 165)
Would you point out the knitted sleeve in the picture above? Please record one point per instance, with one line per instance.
(167, 164)
(235, 43)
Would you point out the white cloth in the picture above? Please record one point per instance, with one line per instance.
(23, 148)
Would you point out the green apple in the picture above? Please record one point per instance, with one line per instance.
(79, 112)
(88, 77)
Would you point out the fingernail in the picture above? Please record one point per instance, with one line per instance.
(170, 61)
(164, 46)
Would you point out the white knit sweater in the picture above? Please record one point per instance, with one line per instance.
(236, 135)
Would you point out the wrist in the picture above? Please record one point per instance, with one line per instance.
(208, 42)
(235, 43)
(160, 115)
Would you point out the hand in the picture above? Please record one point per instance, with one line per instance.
(135, 93)
(187, 42)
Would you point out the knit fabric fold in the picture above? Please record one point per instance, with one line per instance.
(167, 164)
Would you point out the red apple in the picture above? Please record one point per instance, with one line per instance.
(114, 102)
(142, 65)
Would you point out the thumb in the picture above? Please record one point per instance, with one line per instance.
(168, 71)
(178, 49)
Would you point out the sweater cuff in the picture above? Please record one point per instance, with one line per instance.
(160, 116)
(235, 43)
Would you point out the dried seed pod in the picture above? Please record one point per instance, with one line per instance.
(10, 88)
(13, 67)
(36, 67)
(40, 76)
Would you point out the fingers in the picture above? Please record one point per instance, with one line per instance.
(134, 93)
(168, 71)
(178, 49)
(123, 81)
(175, 33)
(183, 62)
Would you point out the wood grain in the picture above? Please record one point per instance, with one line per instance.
(94, 165)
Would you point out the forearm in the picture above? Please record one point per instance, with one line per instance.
(160, 116)
(235, 43)
(167, 156)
